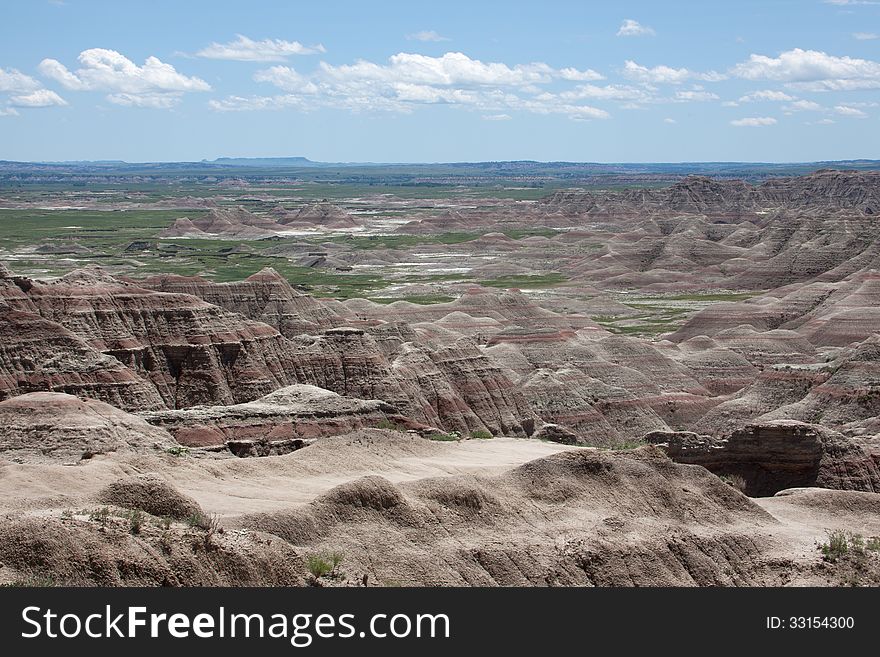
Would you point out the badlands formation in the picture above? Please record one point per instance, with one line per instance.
(689, 395)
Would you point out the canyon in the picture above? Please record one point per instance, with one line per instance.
(673, 385)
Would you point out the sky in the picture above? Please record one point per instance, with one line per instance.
(672, 81)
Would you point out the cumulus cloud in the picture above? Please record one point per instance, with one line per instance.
(38, 98)
(695, 96)
(852, 112)
(666, 74)
(766, 94)
(408, 80)
(154, 84)
(812, 70)
(607, 92)
(24, 91)
(803, 106)
(753, 122)
(631, 28)
(244, 49)
(12, 80)
(426, 35)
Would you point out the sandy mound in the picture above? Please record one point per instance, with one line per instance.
(151, 495)
(575, 518)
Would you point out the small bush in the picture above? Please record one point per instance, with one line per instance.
(873, 544)
(177, 450)
(325, 565)
(837, 546)
(198, 521)
(136, 519)
(319, 566)
(481, 434)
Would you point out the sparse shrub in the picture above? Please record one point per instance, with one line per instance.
(67, 513)
(101, 515)
(873, 544)
(452, 436)
(836, 548)
(32, 581)
(164, 522)
(210, 525)
(177, 450)
(136, 519)
(325, 565)
(198, 521)
(481, 434)
(319, 566)
(389, 425)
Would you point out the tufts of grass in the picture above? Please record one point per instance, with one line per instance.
(481, 434)
(453, 436)
(136, 520)
(389, 425)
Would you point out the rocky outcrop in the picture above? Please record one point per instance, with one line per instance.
(40, 355)
(773, 456)
(51, 426)
(265, 297)
(190, 351)
(298, 412)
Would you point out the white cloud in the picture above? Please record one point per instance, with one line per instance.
(631, 28)
(852, 112)
(670, 121)
(407, 81)
(497, 117)
(8, 111)
(730, 103)
(766, 94)
(606, 92)
(823, 122)
(865, 36)
(153, 101)
(812, 70)
(665, 74)
(426, 35)
(849, 3)
(108, 70)
(38, 98)
(15, 81)
(286, 78)
(244, 49)
(695, 96)
(803, 106)
(753, 122)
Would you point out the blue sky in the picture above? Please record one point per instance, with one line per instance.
(791, 80)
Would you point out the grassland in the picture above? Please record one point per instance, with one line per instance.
(125, 242)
